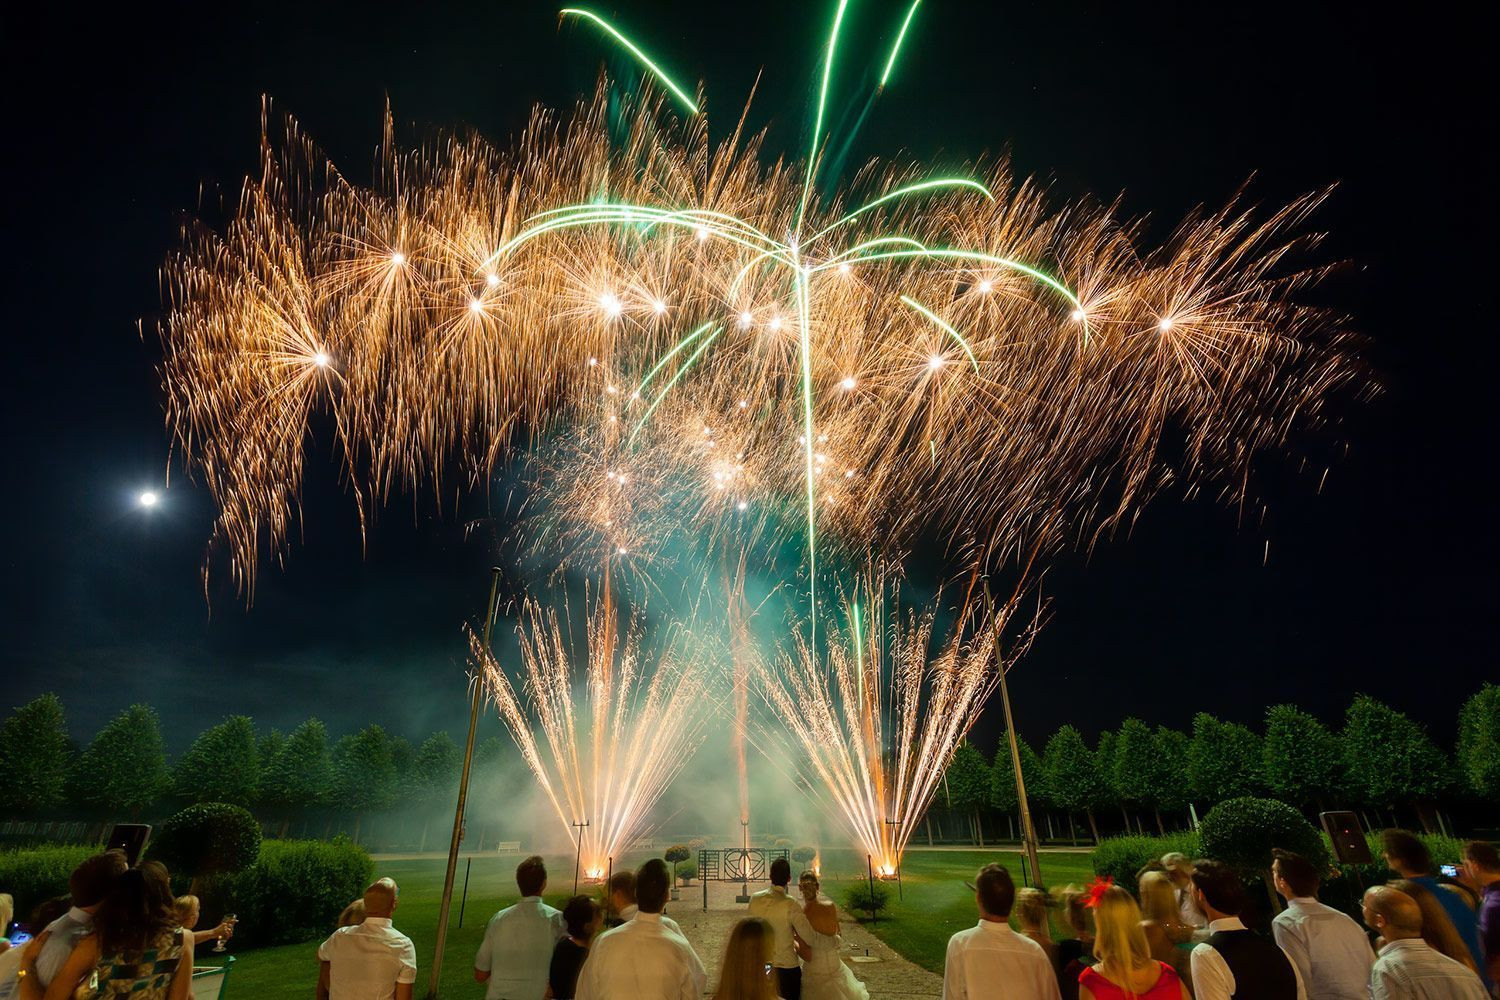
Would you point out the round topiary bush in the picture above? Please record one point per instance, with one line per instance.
(207, 839)
(1242, 832)
(802, 855)
(675, 855)
(862, 898)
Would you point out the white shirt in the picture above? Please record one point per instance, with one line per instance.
(517, 949)
(1409, 969)
(629, 910)
(991, 956)
(366, 961)
(775, 907)
(1212, 979)
(10, 964)
(65, 932)
(1331, 952)
(642, 960)
(1187, 908)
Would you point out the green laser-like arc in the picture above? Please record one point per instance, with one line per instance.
(1006, 262)
(936, 182)
(810, 474)
(945, 326)
(627, 214)
(670, 355)
(859, 650)
(646, 60)
(812, 149)
(681, 371)
(890, 63)
(704, 216)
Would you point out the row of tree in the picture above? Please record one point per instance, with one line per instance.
(1380, 760)
(284, 777)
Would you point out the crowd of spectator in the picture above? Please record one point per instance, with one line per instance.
(119, 932)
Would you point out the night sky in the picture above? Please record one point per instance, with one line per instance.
(1381, 584)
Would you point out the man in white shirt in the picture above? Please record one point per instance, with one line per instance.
(517, 948)
(1331, 952)
(1235, 963)
(643, 959)
(90, 882)
(370, 960)
(990, 959)
(622, 902)
(1180, 870)
(1408, 968)
(775, 907)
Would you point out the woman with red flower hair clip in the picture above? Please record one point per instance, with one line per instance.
(1126, 970)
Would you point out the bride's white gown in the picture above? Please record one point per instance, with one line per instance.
(824, 975)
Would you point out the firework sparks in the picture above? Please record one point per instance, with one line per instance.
(603, 759)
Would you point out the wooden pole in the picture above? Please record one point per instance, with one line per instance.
(463, 799)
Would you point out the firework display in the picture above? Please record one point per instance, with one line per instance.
(694, 351)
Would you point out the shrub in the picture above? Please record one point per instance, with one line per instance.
(862, 898)
(39, 873)
(676, 853)
(1121, 857)
(802, 855)
(294, 891)
(688, 870)
(207, 839)
(1241, 833)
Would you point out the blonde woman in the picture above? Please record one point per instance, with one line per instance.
(1031, 915)
(746, 973)
(1161, 919)
(1126, 970)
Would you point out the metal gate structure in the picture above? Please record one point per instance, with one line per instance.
(737, 864)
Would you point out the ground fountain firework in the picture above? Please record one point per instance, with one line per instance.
(701, 354)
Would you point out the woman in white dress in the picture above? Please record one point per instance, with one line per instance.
(824, 974)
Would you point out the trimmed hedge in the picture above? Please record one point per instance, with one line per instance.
(39, 873)
(295, 890)
(1121, 857)
(859, 898)
(207, 839)
(1241, 833)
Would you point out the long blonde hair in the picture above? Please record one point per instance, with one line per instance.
(1119, 940)
(743, 975)
(1159, 898)
(1437, 927)
(7, 910)
(1031, 910)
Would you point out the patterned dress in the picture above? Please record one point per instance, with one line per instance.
(141, 975)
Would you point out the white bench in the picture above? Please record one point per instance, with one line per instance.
(508, 847)
(208, 980)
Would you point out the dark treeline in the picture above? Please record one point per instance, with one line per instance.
(1135, 778)
(301, 783)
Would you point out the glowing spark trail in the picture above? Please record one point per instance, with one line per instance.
(646, 60)
(890, 63)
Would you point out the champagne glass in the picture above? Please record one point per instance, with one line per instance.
(230, 919)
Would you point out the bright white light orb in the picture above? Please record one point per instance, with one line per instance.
(1164, 324)
(321, 359)
(848, 383)
(148, 499)
(844, 268)
(398, 258)
(658, 307)
(492, 279)
(610, 305)
(775, 323)
(702, 233)
(476, 306)
(986, 286)
(622, 550)
(743, 404)
(936, 361)
(1077, 315)
(746, 319)
(593, 362)
(742, 505)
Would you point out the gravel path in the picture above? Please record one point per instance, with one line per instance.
(888, 976)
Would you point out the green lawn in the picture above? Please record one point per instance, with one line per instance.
(934, 903)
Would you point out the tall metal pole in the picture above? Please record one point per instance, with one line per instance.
(1028, 832)
(463, 798)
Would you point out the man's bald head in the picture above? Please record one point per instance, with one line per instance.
(380, 898)
(1393, 913)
